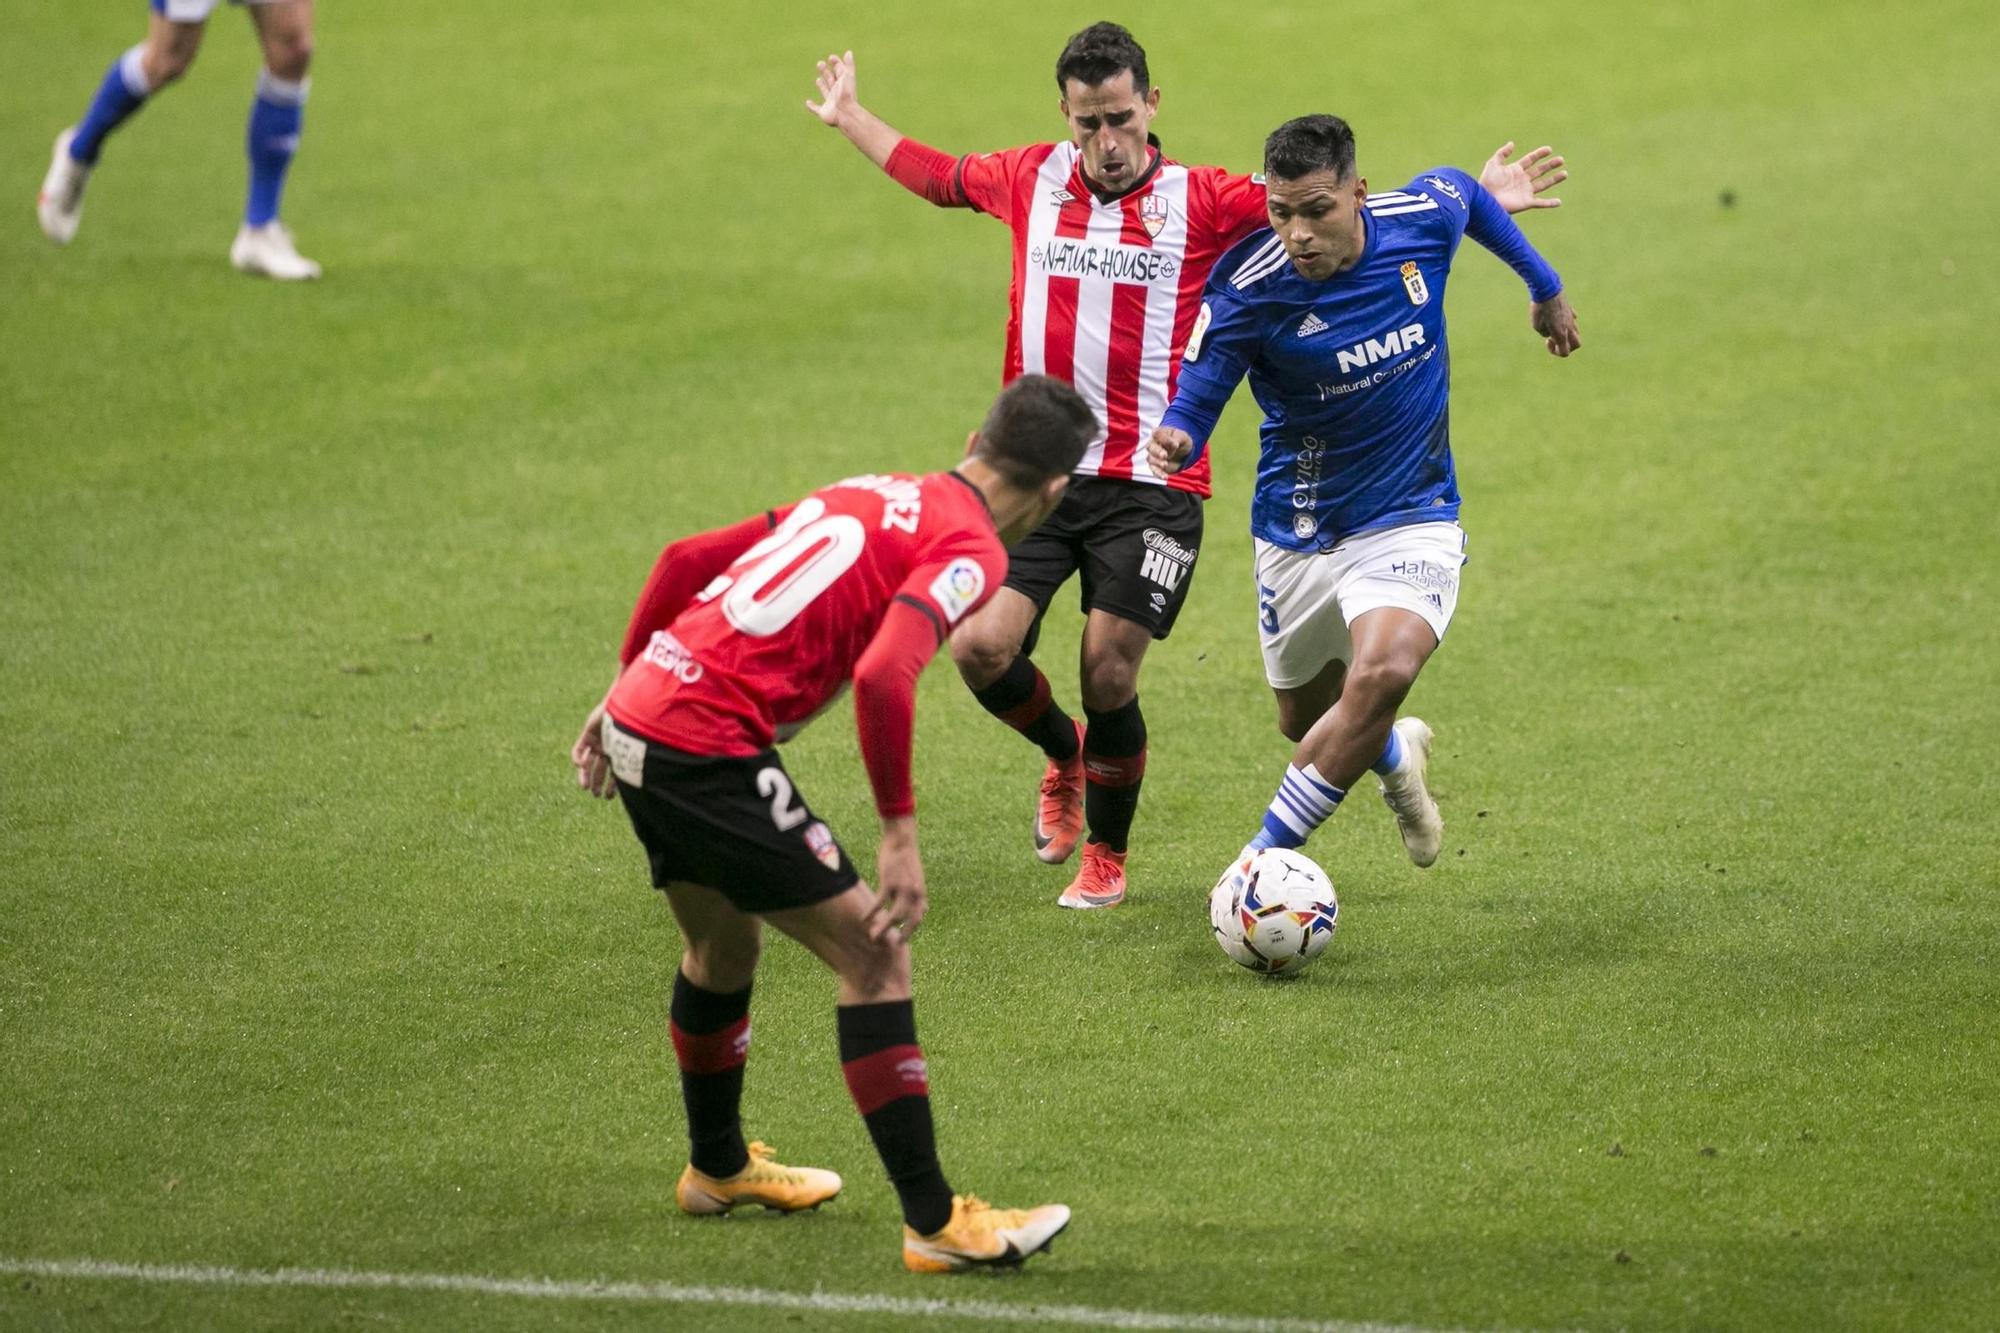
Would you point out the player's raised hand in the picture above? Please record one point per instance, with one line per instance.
(899, 882)
(836, 89)
(593, 766)
(1519, 186)
(1167, 450)
(1556, 322)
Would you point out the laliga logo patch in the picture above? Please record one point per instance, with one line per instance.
(958, 587)
(1153, 211)
(1413, 283)
(819, 841)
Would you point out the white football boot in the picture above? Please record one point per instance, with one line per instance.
(60, 204)
(1407, 797)
(268, 251)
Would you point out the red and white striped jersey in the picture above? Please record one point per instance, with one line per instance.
(1106, 290)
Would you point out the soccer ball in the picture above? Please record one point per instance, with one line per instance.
(1273, 911)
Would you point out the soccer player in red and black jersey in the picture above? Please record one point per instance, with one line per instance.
(740, 637)
(1113, 242)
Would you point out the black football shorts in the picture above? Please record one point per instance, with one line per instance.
(1134, 543)
(733, 824)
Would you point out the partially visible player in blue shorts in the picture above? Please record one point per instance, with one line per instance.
(1336, 312)
(263, 246)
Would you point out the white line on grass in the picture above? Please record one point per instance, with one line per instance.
(673, 1293)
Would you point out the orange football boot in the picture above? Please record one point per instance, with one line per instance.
(1059, 814)
(1100, 880)
(979, 1236)
(763, 1180)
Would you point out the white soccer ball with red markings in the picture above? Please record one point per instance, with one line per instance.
(1274, 911)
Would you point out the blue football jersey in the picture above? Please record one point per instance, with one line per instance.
(1351, 371)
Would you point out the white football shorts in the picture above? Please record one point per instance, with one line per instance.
(1307, 599)
(196, 11)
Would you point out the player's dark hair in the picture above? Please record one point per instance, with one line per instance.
(1310, 143)
(1100, 52)
(1038, 428)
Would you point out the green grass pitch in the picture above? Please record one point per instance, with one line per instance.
(310, 955)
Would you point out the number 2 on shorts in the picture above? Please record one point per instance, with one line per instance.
(775, 786)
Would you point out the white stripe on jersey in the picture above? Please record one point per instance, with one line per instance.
(1398, 209)
(1162, 303)
(1092, 356)
(1391, 196)
(1268, 259)
(1050, 177)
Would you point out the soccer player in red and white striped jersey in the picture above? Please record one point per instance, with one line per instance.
(1112, 243)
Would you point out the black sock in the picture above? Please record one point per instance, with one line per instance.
(885, 1074)
(711, 1040)
(1114, 763)
(1021, 699)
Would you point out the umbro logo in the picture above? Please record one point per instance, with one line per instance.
(1311, 324)
(1061, 197)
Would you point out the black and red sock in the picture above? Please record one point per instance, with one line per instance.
(885, 1074)
(1022, 700)
(711, 1034)
(1114, 763)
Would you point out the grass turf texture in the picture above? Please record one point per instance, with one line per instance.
(311, 956)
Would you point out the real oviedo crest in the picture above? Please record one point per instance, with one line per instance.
(1413, 283)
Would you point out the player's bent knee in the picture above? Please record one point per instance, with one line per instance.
(165, 65)
(1109, 683)
(875, 971)
(1382, 683)
(290, 61)
(981, 659)
(723, 962)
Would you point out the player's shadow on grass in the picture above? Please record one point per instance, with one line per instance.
(1487, 952)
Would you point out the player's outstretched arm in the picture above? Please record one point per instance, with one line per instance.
(840, 107)
(1556, 322)
(1519, 186)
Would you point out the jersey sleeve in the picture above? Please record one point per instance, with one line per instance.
(683, 570)
(986, 181)
(935, 597)
(1237, 203)
(1226, 337)
(885, 703)
(953, 582)
(1474, 212)
(981, 181)
(925, 172)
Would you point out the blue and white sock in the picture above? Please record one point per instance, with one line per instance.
(1392, 755)
(123, 91)
(1305, 800)
(275, 119)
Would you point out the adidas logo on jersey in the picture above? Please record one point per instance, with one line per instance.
(1311, 324)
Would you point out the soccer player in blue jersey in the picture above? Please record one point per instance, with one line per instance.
(284, 27)
(1336, 312)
